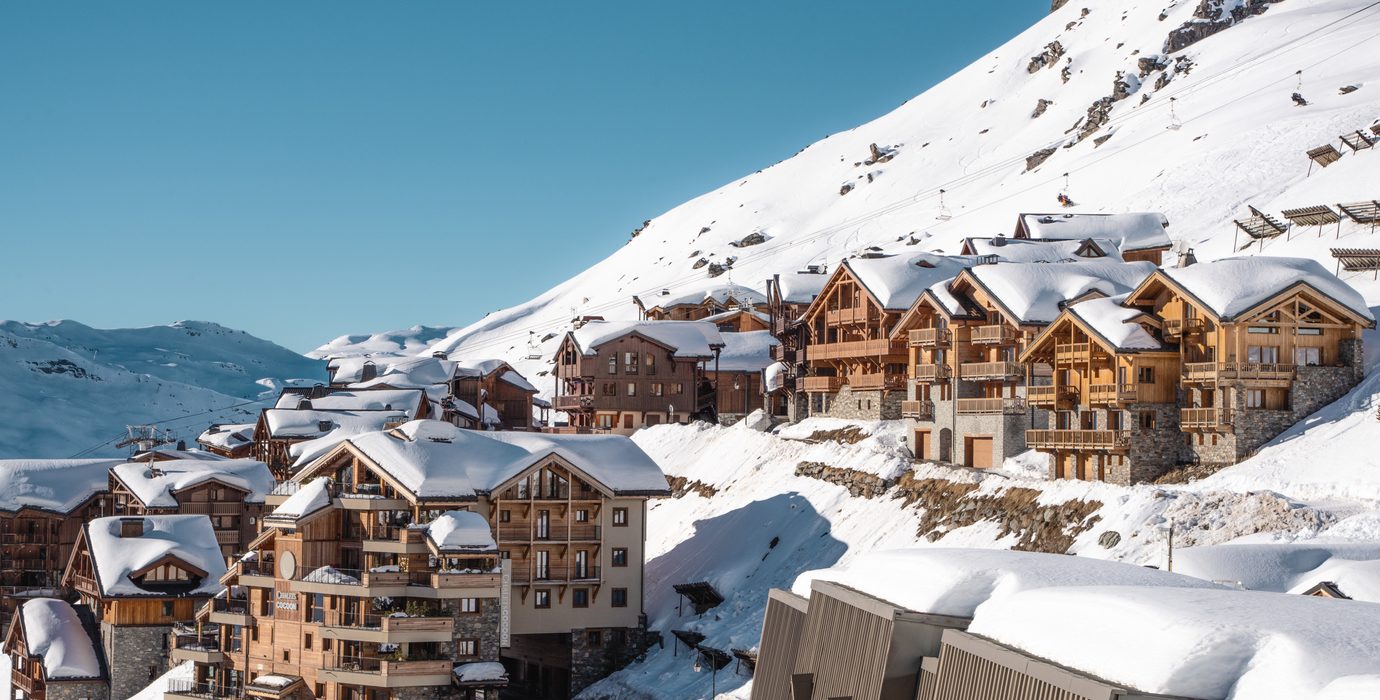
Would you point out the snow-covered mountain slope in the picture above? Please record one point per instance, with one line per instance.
(66, 388)
(1241, 141)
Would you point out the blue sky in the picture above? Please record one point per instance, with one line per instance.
(308, 169)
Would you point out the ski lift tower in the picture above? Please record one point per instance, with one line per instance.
(144, 438)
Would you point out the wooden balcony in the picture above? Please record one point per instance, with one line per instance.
(919, 410)
(878, 380)
(1112, 394)
(1077, 439)
(1007, 406)
(386, 629)
(1070, 352)
(828, 385)
(1229, 371)
(856, 314)
(990, 370)
(387, 673)
(995, 334)
(1050, 396)
(930, 337)
(930, 373)
(1204, 418)
(1177, 327)
(573, 403)
(853, 348)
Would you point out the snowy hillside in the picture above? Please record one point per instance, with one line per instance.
(1088, 88)
(66, 388)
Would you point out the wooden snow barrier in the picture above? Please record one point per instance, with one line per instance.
(1357, 140)
(1362, 212)
(718, 658)
(747, 658)
(701, 595)
(689, 638)
(1319, 215)
(1259, 226)
(1357, 259)
(1324, 155)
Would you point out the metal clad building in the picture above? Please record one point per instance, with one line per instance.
(782, 627)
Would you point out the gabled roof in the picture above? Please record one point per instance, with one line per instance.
(1115, 325)
(156, 485)
(227, 436)
(56, 634)
(188, 540)
(405, 400)
(686, 339)
(460, 532)
(895, 281)
(285, 423)
(1132, 231)
(721, 295)
(1231, 287)
(1034, 293)
(801, 287)
(54, 485)
(312, 497)
(1042, 250)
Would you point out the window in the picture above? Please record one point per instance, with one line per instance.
(610, 388)
(581, 516)
(620, 556)
(153, 673)
(1114, 420)
(505, 516)
(1309, 331)
(619, 598)
(658, 389)
(579, 598)
(543, 599)
(320, 690)
(1147, 420)
(1267, 354)
(606, 420)
(594, 638)
(630, 361)
(469, 605)
(1263, 330)
(632, 389)
(325, 645)
(678, 388)
(620, 517)
(467, 647)
(253, 634)
(287, 656)
(306, 641)
(167, 608)
(1145, 375)
(613, 364)
(1255, 398)
(1308, 357)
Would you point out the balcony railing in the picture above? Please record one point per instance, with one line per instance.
(1208, 371)
(927, 337)
(197, 642)
(556, 574)
(573, 403)
(526, 530)
(1065, 352)
(1175, 327)
(413, 664)
(1008, 406)
(876, 380)
(994, 334)
(855, 314)
(930, 373)
(919, 410)
(853, 348)
(1112, 393)
(186, 687)
(1050, 395)
(1204, 417)
(1077, 439)
(823, 384)
(990, 370)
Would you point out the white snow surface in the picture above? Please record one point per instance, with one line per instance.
(56, 485)
(898, 280)
(1129, 231)
(407, 400)
(156, 491)
(461, 531)
(477, 671)
(55, 634)
(1230, 286)
(295, 423)
(189, 538)
(1115, 323)
(227, 436)
(309, 498)
(1034, 292)
(1009, 249)
(722, 294)
(1199, 643)
(1289, 567)
(688, 339)
(745, 352)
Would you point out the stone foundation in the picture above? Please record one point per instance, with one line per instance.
(482, 626)
(136, 654)
(78, 690)
(858, 405)
(615, 648)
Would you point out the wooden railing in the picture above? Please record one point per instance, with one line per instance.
(919, 410)
(877, 380)
(1237, 370)
(1070, 351)
(825, 384)
(990, 370)
(1204, 417)
(1112, 393)
(1077, 439)
(855, 314)
(573, 403)
(1050, 395)
(994, 334)
(852, 348)
(930, 336)
(1009, 406)
(1174, 327)
(930, 373)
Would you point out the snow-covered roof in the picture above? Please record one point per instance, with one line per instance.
(55, 633)
(397, 371)
(898, 280)
(1041, 250)
(227, 436)
(1291, 567)
(1115, 323)
(57, 485)
(688, 339)
(955, 581)
(951, 304)
(1130, 231)
(480, 671)
(1231, 286)
(745, 352)
(290, 423)
(459, 531)
(720, 294)
(1199, 643)
(517, 380)
(154, 484)
(774, 376)
(1035, 292)
(477, 367)
(309, 498)
(409, 400)
(725, 315)
(188, 538)
(801, 287)
(434, 459)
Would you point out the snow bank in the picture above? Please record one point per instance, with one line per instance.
(1202, 643)
(461, 531)
(55, 633)
(1288, 567)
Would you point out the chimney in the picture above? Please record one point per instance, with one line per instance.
(182, 444)
(1187, 258)
(324, 426)
(440, 355)
(999, 240)
(131, 527)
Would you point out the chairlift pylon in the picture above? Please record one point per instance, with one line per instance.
(943, 214)
(533, 347)
(1174, 123)
(1064, 199)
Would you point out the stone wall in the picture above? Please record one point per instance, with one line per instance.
(136, 655)
(948, 430)
(427, 692)
(1153, 452)
(862, 405)
(78, 690)
(483, 626)
(615, 648)
(858, 483)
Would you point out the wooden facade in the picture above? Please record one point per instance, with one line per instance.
(848, 340)
(631, 382)
(513, 401)
(233, 514)
(29, 677)
(35, 545)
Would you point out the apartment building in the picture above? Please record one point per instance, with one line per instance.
(142, 576)
(54, 650)
(485, 547)
(968, 390)
(700, 305)
(230, 440)
(471, 392)
(623, 375)
(855, 368)
(788, 296)
(1138, 236)
(230, 492)
(1199, 364)
(43, 503)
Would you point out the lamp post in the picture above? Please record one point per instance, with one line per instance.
(713, 674)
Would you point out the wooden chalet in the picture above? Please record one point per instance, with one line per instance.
(229, 492)
(55, 653)
(739, 320)
(142, 576)
(788, 296)
(620, 375)
(229, 440)
(698, 306)
(1139, 236)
